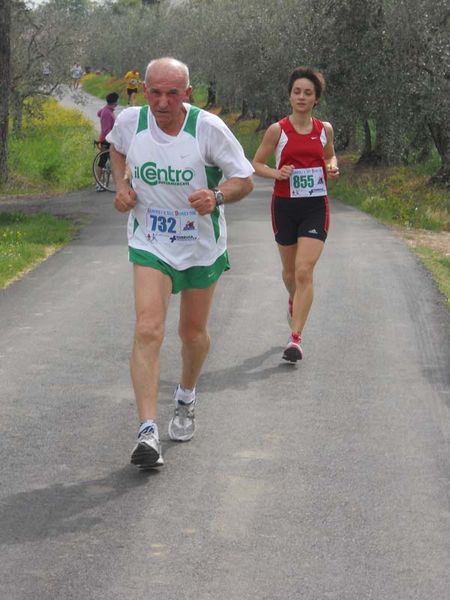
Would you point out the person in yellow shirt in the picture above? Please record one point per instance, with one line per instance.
(133, 80)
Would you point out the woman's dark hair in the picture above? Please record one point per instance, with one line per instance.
(314, 76)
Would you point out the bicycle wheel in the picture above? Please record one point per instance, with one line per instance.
(104, 176)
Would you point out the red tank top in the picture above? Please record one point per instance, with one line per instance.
(299, 149)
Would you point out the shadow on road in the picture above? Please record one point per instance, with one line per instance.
(240, 376)
(60, 509)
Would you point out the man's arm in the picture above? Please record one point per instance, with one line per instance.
(125, 198)
(233, 189)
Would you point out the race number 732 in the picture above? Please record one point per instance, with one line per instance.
(162, 224)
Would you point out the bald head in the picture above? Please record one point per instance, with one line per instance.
(167, 66)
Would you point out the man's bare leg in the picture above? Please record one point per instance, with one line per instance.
(194, 313)
(152, 291)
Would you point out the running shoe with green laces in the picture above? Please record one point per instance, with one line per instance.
(147, 452)
(293, 351)
(182, 424)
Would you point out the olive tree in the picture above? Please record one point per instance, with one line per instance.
(5, 57)
(45, 42)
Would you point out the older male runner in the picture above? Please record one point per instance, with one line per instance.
(177, 155)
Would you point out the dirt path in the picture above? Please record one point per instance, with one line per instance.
(435, 240)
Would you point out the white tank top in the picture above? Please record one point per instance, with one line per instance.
(164, 174)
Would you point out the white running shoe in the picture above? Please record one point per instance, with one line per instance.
(182, 424)
(293, 351)
(147, 452)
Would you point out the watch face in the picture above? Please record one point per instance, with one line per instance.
(220, 198)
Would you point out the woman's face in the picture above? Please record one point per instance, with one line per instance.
(303, 95)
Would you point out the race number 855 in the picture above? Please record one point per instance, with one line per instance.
(303, 181)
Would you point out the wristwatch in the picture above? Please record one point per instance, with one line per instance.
(218, 195)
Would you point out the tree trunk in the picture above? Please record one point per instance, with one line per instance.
(387, 150)
(367, 153)
(17, 114)
(212, 96)
(5, 78)
(440, 132)
(246, 112)
(266, 119)
(345, 137)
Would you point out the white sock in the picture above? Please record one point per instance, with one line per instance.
(185, 396)
(148, 423)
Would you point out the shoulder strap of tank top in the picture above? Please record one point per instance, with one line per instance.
(191, 121)
(143, 119)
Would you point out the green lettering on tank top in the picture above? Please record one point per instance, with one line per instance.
(191, 122)
(143, 119)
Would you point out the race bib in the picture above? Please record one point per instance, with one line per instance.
(305, 183)
(172, 226)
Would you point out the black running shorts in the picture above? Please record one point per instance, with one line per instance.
(300, 217)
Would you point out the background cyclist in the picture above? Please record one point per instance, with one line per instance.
(107, 118)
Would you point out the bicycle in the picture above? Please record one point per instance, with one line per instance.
(101, 168)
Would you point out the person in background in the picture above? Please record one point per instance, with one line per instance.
(76, 72)
(133, 80)
(107, 118)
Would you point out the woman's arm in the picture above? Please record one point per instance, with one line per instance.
(329, 153)
(266, 148)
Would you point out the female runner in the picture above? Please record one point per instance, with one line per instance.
(305, 157)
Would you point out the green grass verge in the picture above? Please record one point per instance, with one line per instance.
(102, 85)
(397, 195)
(27, 240)
(53, 153)
(246, 133)
(439, 265)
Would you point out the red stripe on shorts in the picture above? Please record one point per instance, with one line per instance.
(327, 214)
(272, 210)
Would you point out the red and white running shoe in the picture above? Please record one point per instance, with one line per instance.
(293, 351)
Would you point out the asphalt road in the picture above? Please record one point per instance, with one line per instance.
(327, 480)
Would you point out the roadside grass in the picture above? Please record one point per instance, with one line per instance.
(245, 131)
(27, 240)
(102, 85)
(51, 153)
(399, 195)
(439, 265)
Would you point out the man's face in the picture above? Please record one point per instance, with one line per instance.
(165, 90)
